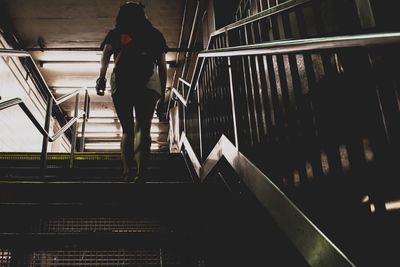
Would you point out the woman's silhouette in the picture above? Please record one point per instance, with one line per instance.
(131, 87)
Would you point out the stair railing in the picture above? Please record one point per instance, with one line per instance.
(247, 7)
(311, 242)
(44, 130)
(207, 82)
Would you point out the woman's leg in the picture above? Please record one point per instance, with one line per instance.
(124, 108)
(144, 111)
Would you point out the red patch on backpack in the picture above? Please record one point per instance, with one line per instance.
(125, 39)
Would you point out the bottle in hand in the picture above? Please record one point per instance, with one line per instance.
(101, 86)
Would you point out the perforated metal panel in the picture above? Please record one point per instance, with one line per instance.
(5, 258)
(102, 258)
(114, 225)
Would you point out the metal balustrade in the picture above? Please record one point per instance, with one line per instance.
(306, 111)
(247, 8)
(44, 130)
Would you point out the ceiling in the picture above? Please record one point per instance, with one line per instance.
(67, 26)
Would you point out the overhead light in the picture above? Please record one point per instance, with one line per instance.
(100, 135)
(103, 120)
(67, 55)
(112, 146)
(372, 207)
(103, 113)
(392, 205)
(74, 66)
(111, 135)
(365, 199)
(68, 90)
(76, 81)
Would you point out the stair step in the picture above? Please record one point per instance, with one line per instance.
(79, 156)
(102, 192)
(68, 225)
(119, 257)
(88, 216)
(94, 240)
(88, 175)
(88, 166)
(168, 209)
(82, 159)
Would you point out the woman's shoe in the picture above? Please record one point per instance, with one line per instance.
(138, 180)
(128, 176)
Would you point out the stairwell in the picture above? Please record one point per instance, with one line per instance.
(87, 216)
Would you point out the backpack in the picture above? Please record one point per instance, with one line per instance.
(135, 63)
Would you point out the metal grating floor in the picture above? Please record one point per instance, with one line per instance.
(113, 225)
(134, 258)
(5, 258)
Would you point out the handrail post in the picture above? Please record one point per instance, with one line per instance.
(45, 142)
(235, 130)
(196, 88)
(74, 133)
(183, 109)
(85, 117)
(185, 68)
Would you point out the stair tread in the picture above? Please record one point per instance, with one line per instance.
(95, 240)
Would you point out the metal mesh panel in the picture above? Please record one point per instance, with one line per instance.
(101, 258)
(5, 258)
(115, 225)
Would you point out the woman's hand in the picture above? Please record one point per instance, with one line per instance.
(101, 85)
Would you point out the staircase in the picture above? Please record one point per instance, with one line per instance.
(87, 216)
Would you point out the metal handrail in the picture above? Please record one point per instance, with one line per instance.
(179, 96)
(67, 126)
(20, 53)
(51, 100)
(18, 101)
(295, 46)
(66, 97)
(184, 82)
(304, 45)
(180, 40)
(242, 3)
(263, 14)
(309, 238)
(184, 68)
(316, 248)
